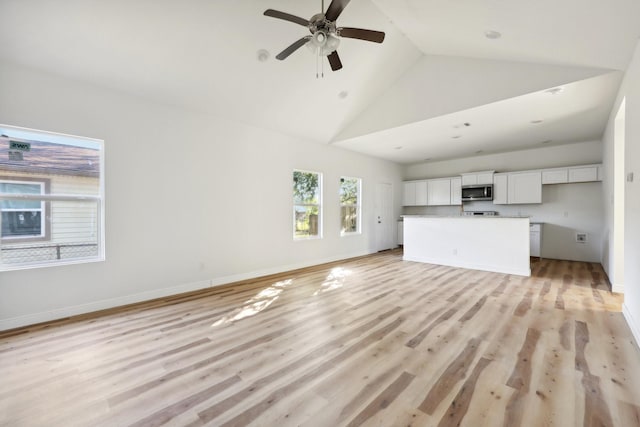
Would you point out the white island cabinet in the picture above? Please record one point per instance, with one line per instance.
(499, 244)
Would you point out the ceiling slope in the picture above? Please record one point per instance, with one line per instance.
(578, 113)
(587, 33)
(440, 85)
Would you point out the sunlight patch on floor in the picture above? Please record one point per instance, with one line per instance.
(335, 280)
(256, 304)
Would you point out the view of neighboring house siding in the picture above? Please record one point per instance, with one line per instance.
(69, 228)
(73, 225)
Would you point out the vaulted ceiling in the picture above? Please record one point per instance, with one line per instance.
(437, 88)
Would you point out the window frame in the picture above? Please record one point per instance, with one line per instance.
(45, 209)
(357, 205)
(21, 133)
(308, 205)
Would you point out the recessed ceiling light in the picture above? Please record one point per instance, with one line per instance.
(427, 159)
(535, 122)
(546, 142)
(263, 55)
(492, 34)
(343, 94)
(462, 125)
(399, 147)
(479, 151)
(456, 136)
(555, 90)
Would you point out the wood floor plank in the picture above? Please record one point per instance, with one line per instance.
(373, 341)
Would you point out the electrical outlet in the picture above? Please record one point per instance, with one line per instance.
(581, 237)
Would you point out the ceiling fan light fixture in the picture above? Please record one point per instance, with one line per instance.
(324, 43)
(331, 45)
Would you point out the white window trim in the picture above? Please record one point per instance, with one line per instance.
(358, 206)
(99, 199)
(319, 205)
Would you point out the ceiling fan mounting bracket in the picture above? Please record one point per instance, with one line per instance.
(320, 22)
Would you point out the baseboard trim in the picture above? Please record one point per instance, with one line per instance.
(64, 312)
(633, 325)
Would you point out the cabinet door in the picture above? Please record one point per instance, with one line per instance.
(485, 178)
(525, 187)
(439, 192)
(500, 189)
(469, 179)
(535, 239)
(456, 191)
(554, 176)
(421, 193)
(408, 194)
(585, 174)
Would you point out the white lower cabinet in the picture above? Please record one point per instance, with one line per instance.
(535, 239)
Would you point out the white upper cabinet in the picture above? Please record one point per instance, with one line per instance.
(587, 173)
(439, 192)
(524, 187)
(555, 176)
(500, 186)
(474, 178)
(421, 193)
(583, 174)
(456, 191)
(409, 193)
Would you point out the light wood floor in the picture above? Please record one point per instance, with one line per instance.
(371, 341)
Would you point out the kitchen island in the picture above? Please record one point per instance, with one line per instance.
(499, 244)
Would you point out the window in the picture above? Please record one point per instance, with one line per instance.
(51, 199)
(350, 205)
(307, 208)
(24, 220)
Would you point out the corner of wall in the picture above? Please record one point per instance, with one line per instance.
(633, 323)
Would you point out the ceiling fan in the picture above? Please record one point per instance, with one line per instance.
(324, 32)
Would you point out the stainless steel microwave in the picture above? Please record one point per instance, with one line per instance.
(477, 192)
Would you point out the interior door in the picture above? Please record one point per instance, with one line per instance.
(385, 223)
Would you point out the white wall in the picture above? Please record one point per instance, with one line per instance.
(630, 92)
(191, 199)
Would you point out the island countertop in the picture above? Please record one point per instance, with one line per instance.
(499, 244)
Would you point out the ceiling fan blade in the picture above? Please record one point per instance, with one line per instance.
(362, 34)
(335, 9)
(334, 61)
(287, 17)
(293, 47)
